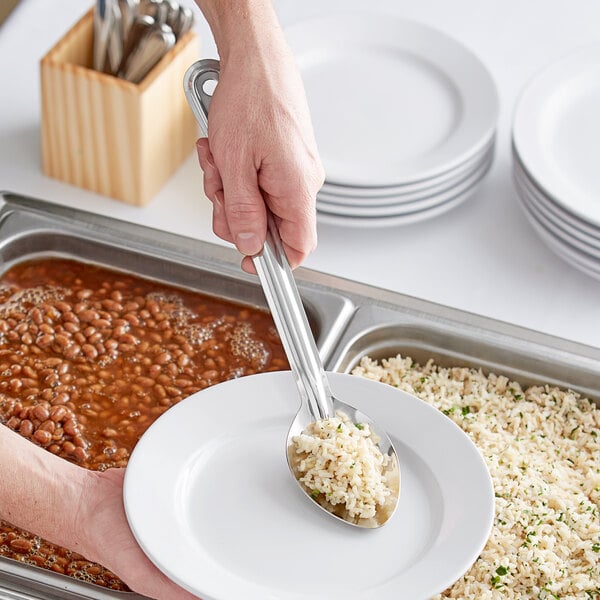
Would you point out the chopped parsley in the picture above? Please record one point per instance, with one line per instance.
(497, 579)
(359, 426)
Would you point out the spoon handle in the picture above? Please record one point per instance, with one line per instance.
(275, 276)
(284, 300)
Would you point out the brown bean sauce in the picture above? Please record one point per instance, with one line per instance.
(89, 358)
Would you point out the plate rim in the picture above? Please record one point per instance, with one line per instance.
(560, 229)
(342, 197)
(565, 251)
(575, 220)
(400, 207)
(361, 193)
(327, 218)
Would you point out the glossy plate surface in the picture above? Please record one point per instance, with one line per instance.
(392, 101)
(210, 499)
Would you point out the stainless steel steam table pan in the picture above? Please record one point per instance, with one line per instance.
(350, 320)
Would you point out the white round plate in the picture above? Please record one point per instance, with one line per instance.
(567, 252)
(392, 101)
(559, 213)
(329, 218)
(559, 227)
(363, 194)
(556, 128)
(210, 499)
(401, 207)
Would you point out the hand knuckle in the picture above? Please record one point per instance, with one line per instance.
(242, 209)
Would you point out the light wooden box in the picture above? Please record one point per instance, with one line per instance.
(108, 135)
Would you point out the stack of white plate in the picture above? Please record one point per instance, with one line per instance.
(556, 150)
(404, 117)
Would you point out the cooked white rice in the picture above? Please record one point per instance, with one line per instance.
(542, 449)
(339, 461)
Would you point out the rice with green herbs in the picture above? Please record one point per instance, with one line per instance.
(542, 449)
(339, 462)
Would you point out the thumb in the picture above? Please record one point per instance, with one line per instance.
(245, 210)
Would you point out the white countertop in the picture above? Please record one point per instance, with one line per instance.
(482, 257)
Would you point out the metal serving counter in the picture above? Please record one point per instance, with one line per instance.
(350, 320)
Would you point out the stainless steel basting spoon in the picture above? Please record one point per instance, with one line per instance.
(283, 298)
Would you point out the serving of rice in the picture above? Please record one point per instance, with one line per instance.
(340, 465)
(542, 449)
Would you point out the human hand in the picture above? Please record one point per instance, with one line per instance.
(109, 541)
(260, 152)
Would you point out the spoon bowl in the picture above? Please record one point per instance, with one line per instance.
(303, 420)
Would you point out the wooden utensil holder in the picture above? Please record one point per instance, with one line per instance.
(108, 135)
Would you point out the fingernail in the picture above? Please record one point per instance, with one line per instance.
(205, 157)
(209, 170)
(217, 205)
(201, 150)
(248, 243)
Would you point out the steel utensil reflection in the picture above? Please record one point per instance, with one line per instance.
(129, 11)
(153, 44)
(172, 13)
(140, 27)
(156, 9)
(103, 15)
(184, 21)
(114, 53)
(283, 298)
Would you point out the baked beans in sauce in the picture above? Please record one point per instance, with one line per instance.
(90, 357)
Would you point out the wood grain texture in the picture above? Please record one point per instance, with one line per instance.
(111, 136)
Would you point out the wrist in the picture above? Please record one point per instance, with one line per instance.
(242, 28)
(101, 523)
(83, 522)
(41, 492)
